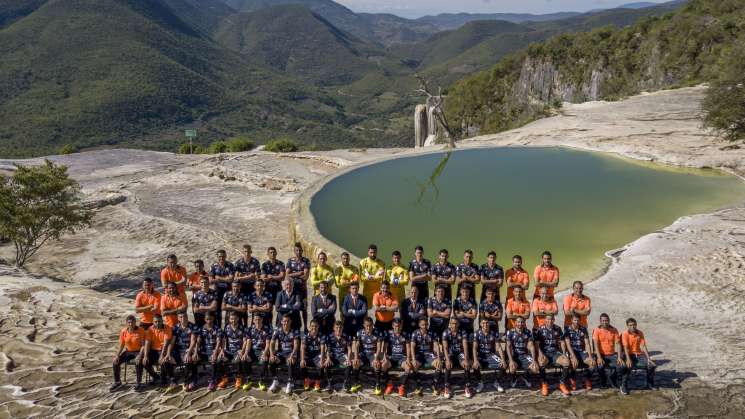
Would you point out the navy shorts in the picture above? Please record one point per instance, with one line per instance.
(490, 361)
(523, 361)
(425, 360)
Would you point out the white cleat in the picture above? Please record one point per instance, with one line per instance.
(480, 387)
(498, 387)
(274, 387)
(288, 388)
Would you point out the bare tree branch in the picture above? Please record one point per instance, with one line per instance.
(437, 102)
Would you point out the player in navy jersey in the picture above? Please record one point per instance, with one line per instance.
(468, 275)
(247, 270)
(234, 301)
(579, 346)
(312, 353)
(419, 274)
(297, 269)
(260, 303)
(365, 354)
(455, 350)
(439, 309)
(221, 275)
(284, 351)
(492, 276)
(203, 301)
(425, 354)
(338, 355)
(521, 352)
(258, 342)
(395, 352)
(185, 352)
(465, 310)
(491, 309)
(233, 351)
(552, 353)
(209, 341)
(487, 354)
(443, 273)
(272, 272)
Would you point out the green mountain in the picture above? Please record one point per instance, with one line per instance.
(455, 20)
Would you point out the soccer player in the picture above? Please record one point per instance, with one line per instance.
(247, 270)
(260, 304)
(184, 351)
(579, 346)
(234, 349)
(521, 352)
(171, 304)
(322, 273)
(443, 273)
(396, 355)
(158, 347)
(195, 279)
(412, 309)
(273, 273)
(397, 277)
(438, 310)
(637, 355)
(372, 272)
(516, 307)
(465, 310)
(468, 275)
(312, 353)
(491, 310)
(607, 343)
(492, 276)
(209, 342)
(516, 277)
(552, 353)
(131, 342)
(284, 350)
(546, 274)
(543, 306)
(425, 353)
(354, 311)
(455, 350)
(487, 353)
(365, 351)
(289, 303)
(345, 275)
(258, 342)
(386, 306)
(221, 276)
(147, 303)
(234, 302)
(577, 303)
(173, 272)
(338, 355)
(297, 269)
(323, 309)
(203, 302)
(419, 274)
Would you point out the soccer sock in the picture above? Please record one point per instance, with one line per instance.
(138, 372)
(303, 373)
(347, 374)
(447, 377)
(357, 375)
(477, 374)
(467, 374)
(215, 371)
(378, 376)
(564, 375)
(290, 372)
(438, 378)
(405, 378)
(542, 374)
(275, 369)
(418, 379)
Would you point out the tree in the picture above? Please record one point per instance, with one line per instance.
(38, 204)
(281, 145)
(67, 149)
(238, 144)
(437, 102)
(724, 104)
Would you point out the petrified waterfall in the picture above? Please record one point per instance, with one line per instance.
(420, 125)
(426, 126)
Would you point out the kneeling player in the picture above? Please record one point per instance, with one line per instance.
(425, 354)
(396, 355)
(283, 351)
(234, 351)
(338, 355)
(258, 341)
(551, 353)
(455, 350)
(487, 353)
(577, 341)
(521, 351)
(365, 355)
(312, 353)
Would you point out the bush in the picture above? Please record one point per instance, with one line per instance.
(68, 149)
(217, 147)
(281, 145)
(238, 144)
(724, 104)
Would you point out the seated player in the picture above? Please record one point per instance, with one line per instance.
(234, 302)
(438, 310)
(521, 352)
(284, 350)
(468, 275)
(396, 355)
(184, 351)
(551, 353)
(465, 310)
(234, 350)
(147, 303)
(577, 303)
(578, 345)
(131, 342)
(487, 354)
(260, 303)
(412, 309)
(637, 355)
(491, 309)
(204, 301)
(157, 351)
(365, 352)
(425, 354)
(209, 342)
(386, 306)
(338, 355)
(607, 343)
(172, 303)
(258, 342)
(312, 353)
(492, 276)
(455, 350)
(543, 306)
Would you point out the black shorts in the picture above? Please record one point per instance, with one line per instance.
(639, 362)
(255, 358)
(581, 356)
(552, 357)
(339, 360)
(490, 361)
(425, 360)
(366, 359)
(283, 357)
(232, 358)
(397, 361)
(313, 360)
(205, 357)
(457, 359)
(523, 361)
(438, 329)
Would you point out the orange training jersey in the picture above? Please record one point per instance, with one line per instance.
(144, 299)
(549, 305)
(633, 342)
(387, 301)
(132, 341)
(514, 277)
(518, 308)
(158, 337)
(607, 339)
(571, 302)
(169, 302)
(543, 274)
(173, 275)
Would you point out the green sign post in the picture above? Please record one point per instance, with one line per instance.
(191, 134)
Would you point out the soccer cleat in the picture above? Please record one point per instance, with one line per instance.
(435, 391)
(526, 382)
(388, 388)
(211, 386)
(564, 390)
(262, 386)
(650, 387)
(115, 386)
(624, 389)
(328, 388)
(499, 387)
(317, 385)
(418, 391)
(355, 388)
(544, 388)
(573, 384)
(446, 392)
(191, 387)
(588, 384)
(238, 383)
(306, 384)
(274, 387)
(402, 390)
(480, 387)
(288, 388)
(469, 392)
(222, 383)
(378, 391)
(247, 385)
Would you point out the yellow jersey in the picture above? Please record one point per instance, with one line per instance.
(346, 275)
(398, 276)
(321, 273)
(372, 273)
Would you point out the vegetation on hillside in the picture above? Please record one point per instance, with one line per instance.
(724, 105)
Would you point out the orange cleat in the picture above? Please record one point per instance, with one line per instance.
(564, 390)
(388, 388)
(238, 382)
(222, 383)
(306, 384)
(544, 388)
(317, 385)
(402, 390)
(588, 384)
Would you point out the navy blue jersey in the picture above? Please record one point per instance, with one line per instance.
(313, 344)
(209, 338)
(464, 306)
(438, 306)
(244, 267)
(225, 270)
(491, 309)
(519, 340)
(204, 299)
(233, 299)
(298, 265)
(491, 273)
(337, 346)
(455, 341)
(260, 300)
(396, 344)
(424, 343)
(286, 339)
(576, 337)
(485, 342)
(420, 268)
(467, 270)
(272, 269)
(182, 336)
(368, 342)
(234, 339)
(549, 339)
(259, 338)
(447, 271)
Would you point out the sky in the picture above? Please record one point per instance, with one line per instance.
(417, 8)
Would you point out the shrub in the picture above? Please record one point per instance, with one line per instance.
(68, 149)
(238, 144)
(281, 145)
(724, 104)
(217, 147)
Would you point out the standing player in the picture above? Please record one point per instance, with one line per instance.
(579, 346)
(273, 272)
(234, 349)
(221, 276)
(195, 280)
(487, 353)
(147, 303)
(465, 310)
(397, 277)
(419, 274)
(551, 353)
(607, 343)
(412, 309)
(521, 351)
(492, 276)
(455, 350)
(516, 277)
(173, 272)
(546, 274)
(312, 353)
(425, 354)
(443, 273)
(396, 355)
(637, 355)
(365, 350)
(345, 275)
(339, 355)
(247, 270)
(284, 350)
(438, 310)
(171, 304)
(577, 303)
(258, 341)
(322, 273)
(298, 270)
(372, 272)
(468, 275)
(386, 306)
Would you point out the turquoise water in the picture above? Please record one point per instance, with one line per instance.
(514, 201)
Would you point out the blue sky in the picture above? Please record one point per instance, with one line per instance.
(416, 8)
